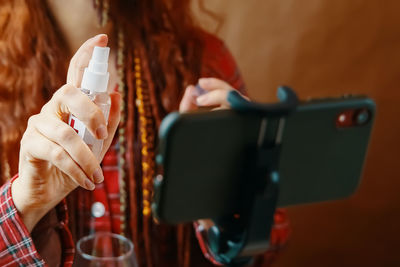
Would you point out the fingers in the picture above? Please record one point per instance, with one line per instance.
(38, 147)
(70, 100)
(63, 135)
(188, 101)
(217, 92)
(217, 95)
(113, 120)
(211, 84)
(81, 59)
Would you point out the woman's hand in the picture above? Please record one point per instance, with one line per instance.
(216, 97)
(54, 160)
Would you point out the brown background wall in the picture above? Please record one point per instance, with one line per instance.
(327, 48)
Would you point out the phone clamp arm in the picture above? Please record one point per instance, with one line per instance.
(236, 238)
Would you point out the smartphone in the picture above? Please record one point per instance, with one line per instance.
(324, 145)
(203, 157)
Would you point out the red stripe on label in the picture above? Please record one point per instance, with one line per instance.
(73, 124)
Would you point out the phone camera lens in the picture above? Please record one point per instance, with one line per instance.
(342, 118)
(345, 119)
(362, 117)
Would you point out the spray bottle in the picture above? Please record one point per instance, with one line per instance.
(94, 85)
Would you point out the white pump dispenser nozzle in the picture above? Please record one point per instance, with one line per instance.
(95, 77)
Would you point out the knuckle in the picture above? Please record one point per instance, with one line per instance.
(66, 133)
(58, 154)
(68, 89)
(78, 61)
(27, 146)
(46, 106)
(84, 158)
(32, 120)
(72, 169)
(65, 90)
(94, 114)
(57, 94)
(24, 139)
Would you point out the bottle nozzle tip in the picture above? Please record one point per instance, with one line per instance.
(100, 54)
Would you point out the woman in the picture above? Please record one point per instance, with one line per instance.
(157, 53)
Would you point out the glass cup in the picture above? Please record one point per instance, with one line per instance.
(104, 249)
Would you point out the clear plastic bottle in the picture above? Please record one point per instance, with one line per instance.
(94, 85)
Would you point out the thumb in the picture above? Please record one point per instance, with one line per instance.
(188, 101)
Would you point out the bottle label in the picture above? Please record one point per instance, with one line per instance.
(82, 131)
(94, 144)
(77, 125)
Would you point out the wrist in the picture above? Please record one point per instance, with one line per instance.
(29, 211)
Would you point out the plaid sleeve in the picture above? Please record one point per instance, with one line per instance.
(16, 244)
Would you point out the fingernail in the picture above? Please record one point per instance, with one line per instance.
(200, 90)
(98, 176)
(98, 36)
(89, 185)
(95, 37)
(101, 132)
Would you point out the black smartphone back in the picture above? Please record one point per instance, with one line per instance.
(324, 145)
(202, 157)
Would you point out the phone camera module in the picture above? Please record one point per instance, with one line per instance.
(361, 117)
(345, 119)
(342, 118)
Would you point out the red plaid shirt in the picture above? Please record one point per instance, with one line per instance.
(16, 244)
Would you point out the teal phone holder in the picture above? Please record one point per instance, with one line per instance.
(235, 239)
